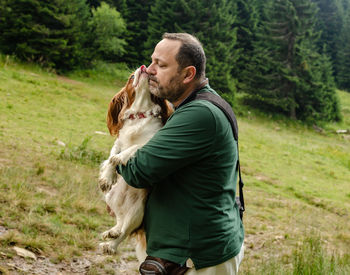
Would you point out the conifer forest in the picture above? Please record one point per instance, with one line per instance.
(285, 56)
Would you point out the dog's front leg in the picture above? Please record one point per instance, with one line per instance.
(108, 175)
(124, 156)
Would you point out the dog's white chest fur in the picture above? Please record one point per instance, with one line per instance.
(139, 130)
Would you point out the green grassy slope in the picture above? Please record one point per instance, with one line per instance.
(49, 193)
(297, 179)
(297, 186)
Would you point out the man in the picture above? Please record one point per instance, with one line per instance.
(190, 168)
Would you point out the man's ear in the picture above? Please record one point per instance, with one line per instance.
(189, 74)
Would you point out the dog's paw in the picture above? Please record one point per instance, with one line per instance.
(115, 160)
(155, 111)
(105, 185)
(110, 234)
(107, 248)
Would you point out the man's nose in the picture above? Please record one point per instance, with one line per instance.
(150, 69)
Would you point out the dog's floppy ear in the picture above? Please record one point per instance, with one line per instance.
(115, 108)
(166, 108)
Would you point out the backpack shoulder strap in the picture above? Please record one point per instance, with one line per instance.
(224, 106)
(227, 110)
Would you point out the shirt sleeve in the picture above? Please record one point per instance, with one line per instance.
(187, 137)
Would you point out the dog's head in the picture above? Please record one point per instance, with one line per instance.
(125, 98)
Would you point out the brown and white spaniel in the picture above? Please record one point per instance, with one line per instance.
(134, 116)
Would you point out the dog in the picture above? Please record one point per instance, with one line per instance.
(134, 116)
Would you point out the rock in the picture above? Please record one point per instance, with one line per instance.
(24, 253)
(101, 133)
(343, 131)
(3, 230)
(277, 238)
(61, 143)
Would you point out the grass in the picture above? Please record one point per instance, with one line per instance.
(49, 196)
(297, 182)
(307, 258)
(296, 179)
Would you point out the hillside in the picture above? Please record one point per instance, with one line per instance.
(53, 137)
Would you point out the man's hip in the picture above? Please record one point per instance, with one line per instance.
(230, 267)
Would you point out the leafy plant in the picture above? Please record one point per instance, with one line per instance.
(108, 28)
(82, 153)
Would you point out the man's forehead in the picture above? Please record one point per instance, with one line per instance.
(166, 49)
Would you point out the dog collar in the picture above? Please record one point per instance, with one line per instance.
(141, 115)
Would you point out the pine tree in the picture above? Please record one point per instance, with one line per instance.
(247, 28)
(135, 14)
(287, 66)
(212, 23)
(50, 32)
(96, 3)
(328, 23)
(343, 66)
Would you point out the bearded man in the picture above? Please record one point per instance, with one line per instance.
(190, 167)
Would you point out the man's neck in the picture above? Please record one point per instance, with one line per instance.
(194, 86)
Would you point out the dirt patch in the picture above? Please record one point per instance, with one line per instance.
(47, 190)
(3, 230)
(93, 262)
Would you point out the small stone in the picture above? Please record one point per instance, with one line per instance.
(101, 133)
(61, 143)
(342, 131)
(279, 238)
(24, 253)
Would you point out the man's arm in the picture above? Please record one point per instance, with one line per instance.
(186, 138)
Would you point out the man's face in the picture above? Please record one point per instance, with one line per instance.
(164, 78)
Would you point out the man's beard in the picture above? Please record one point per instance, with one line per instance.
(172, 92)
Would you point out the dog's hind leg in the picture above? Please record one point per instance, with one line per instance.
(109, 247)
(130, 220)
(112, 233)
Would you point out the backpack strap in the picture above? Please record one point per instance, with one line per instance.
(227, 110)
(224, 106)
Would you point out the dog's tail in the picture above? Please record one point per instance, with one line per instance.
(141, 245)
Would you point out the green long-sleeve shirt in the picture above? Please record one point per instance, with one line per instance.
(190, 168)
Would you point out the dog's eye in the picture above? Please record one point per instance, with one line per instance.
(132, 77)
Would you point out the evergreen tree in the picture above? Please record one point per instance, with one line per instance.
(50, 32)
(246, 24)
(96, 3)
(212, 23)
(328, 24)
(343, 68)
(135, 14)
(290, 75)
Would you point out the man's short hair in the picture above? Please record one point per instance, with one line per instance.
(191, 52)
